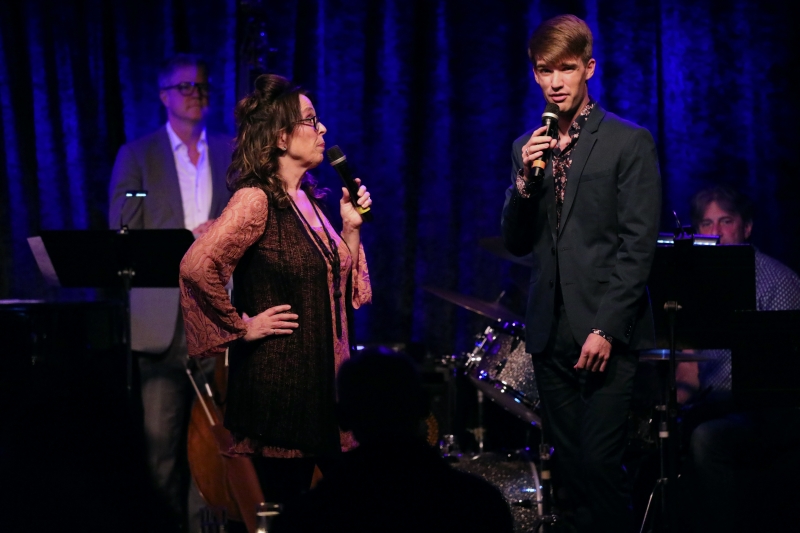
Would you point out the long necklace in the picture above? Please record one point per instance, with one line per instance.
(331, 254)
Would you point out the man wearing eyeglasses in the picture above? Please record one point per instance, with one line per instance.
(182, 168)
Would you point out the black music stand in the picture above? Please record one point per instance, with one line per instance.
(707, 284)
(112, 260)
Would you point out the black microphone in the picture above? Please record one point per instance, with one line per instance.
(549, 119)
(339, 162)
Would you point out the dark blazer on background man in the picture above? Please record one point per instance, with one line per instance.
(148, 163)
(603, 250)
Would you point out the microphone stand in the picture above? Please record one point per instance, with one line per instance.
(683, 241)
(126, 274)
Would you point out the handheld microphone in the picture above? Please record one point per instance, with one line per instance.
(549, 119)
(339, 162)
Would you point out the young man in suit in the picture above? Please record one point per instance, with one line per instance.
(591, 223)
(183, 170)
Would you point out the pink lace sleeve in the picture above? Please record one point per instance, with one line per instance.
(209, 317)
(362, 290)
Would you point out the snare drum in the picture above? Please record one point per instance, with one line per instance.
(500, 367)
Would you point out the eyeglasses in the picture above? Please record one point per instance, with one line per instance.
(186, 88)
(310, 121)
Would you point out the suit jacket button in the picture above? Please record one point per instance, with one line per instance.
(551, 283)
(553, 250)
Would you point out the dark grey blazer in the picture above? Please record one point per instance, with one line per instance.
(605, 245)
(148, 163)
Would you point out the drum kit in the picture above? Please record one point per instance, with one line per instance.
(498, 366)
(500, 369)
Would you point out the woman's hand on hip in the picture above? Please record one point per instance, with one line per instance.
(274, 321)
(350, 217)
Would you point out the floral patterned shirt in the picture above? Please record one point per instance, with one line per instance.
(562, 159)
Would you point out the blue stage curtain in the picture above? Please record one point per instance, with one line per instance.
(425, 98)
(78, 79)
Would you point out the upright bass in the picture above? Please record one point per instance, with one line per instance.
(223, 481)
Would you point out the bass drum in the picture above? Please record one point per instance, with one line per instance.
(514, 475)
(503, 371)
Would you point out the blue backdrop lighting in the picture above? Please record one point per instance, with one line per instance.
(424, 97)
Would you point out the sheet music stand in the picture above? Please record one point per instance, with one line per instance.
(112, 260)
(707, 284)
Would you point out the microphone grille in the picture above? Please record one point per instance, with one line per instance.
(334, 153)
(551, 108)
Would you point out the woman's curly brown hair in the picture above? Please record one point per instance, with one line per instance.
(261, 117)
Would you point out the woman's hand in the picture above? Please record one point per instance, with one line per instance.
(351, 219)
(273, 321)
(535, 147)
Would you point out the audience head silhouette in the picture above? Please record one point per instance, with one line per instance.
(393, 481)
(381, 396)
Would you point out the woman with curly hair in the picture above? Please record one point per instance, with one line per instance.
(295, 283)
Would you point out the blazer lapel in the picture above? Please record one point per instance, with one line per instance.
(169, 179)
(549, 187)
(579, 158)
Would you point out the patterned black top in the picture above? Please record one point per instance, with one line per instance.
(562, 159)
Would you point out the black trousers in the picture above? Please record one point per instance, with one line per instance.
(585, 420)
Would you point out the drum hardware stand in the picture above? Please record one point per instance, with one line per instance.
(475, 356)
(479, 431)
(546, 496)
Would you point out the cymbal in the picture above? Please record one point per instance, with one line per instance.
(488, 309)
(495, 245)
(680, 357)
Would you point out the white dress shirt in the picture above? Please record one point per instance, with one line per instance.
(195, 181)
